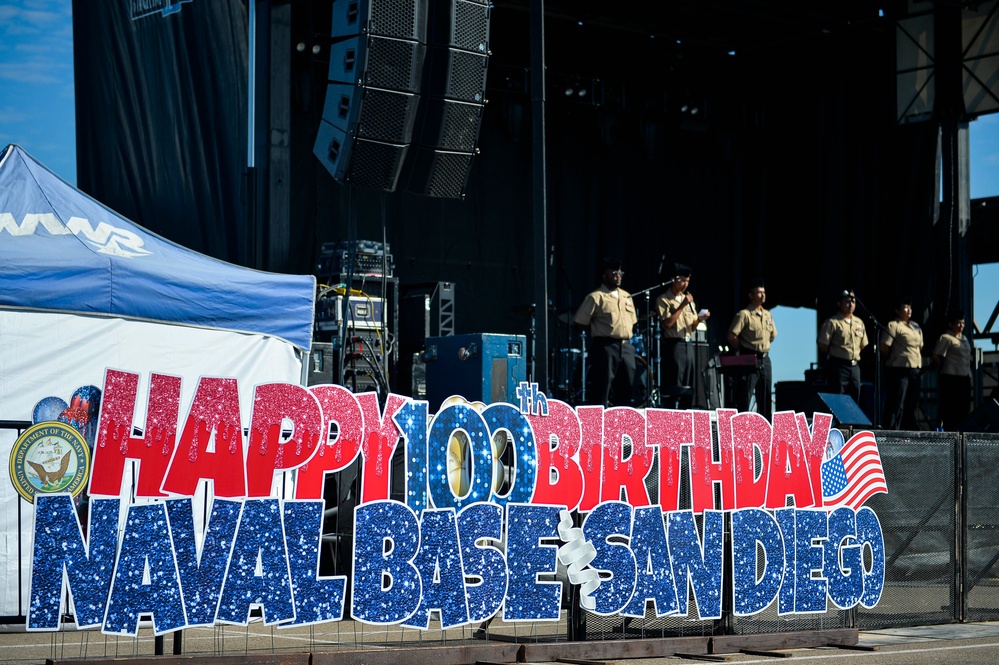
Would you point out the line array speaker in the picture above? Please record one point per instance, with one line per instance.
(983, 419)
(375, 74)
(454, 85)
(405, 19)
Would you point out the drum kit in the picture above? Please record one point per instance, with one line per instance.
(570, 364)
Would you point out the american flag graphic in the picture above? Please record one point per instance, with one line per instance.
(852, 471)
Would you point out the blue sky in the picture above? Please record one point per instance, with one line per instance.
(36, 82)
(37, 112)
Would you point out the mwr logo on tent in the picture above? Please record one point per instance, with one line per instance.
(106, 239)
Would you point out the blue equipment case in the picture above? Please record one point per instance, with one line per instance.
(481, 367)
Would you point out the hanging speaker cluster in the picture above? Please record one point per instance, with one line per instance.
(405, 94)
(450, 113)
(376, 65)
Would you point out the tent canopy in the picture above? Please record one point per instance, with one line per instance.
(61, 250)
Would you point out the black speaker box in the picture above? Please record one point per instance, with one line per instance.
(437, 173)
(452, 99)
(460, 24)
(793, 396)
(378, 62)
(372, 98)
(983, 419)
(371, 113)
(359, 162)
(412, 376)
(360, 368)
(448, 124)
(406, 19)
(322, 364)
(456, 74)
(414, 322)
(841, 407)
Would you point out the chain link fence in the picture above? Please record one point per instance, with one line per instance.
(940, 521)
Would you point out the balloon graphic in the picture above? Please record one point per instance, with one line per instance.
(82, 412)
(47, 409)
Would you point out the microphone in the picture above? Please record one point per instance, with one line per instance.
(690, 303)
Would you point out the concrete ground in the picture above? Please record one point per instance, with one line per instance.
(951, 643)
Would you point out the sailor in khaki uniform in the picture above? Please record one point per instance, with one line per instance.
(901, 346)
(841, 339)
(752, 331)
(609, 314)
(680, 318)
(952, 354)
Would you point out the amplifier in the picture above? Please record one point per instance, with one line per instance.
(481, 367)
(414, 322)
(363, 363)
(362, 314)
(369, 258)
(793, 396)
(322, 364)
(411, 376)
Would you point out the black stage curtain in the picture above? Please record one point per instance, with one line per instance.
(793, 169)
(161, 106)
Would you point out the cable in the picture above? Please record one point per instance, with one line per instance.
(341, 290)
(368, 357)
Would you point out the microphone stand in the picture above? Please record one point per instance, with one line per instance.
(650, 289)
(563, 356)
(653, 333)
(656, 366)
(695, 345)
(878, 327)
(532, 332)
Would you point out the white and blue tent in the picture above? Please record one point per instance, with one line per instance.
(62, 251)
(84, 290)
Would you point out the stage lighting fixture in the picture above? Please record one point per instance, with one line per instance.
(579, 89)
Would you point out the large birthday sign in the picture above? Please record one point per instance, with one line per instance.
(783, 500)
